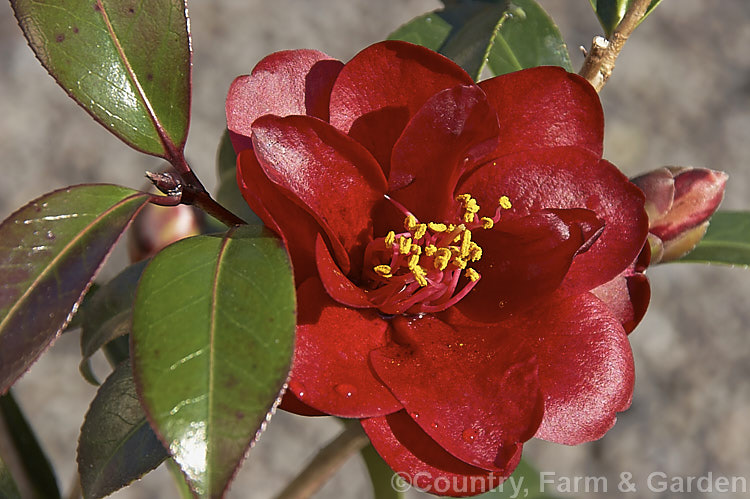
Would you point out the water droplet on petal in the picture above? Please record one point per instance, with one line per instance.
(414, 415)
(469, 434)
(297, 388)
(435, 426)
(345, 390)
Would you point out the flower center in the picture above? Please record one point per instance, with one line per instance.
(418, 270)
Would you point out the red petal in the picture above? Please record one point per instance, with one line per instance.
(290, 222)
(525, 259)
(290, 403)
(335, 179)
(570, 178)
(337, 285)
(545, 107)
(383, 86)
(585, 369)
(420, 461)
(330, 370)
(474, 391)
(454, 129)
(628, 294)
(282, 84)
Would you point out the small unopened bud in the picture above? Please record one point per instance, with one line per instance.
(156, 227)
(679, 204)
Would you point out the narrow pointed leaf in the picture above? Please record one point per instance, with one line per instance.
(428, 30)
(528, 38)
(117, 445)
(127, 63)
(611, 12)
(107, 315)
(50, 251)
(228, 193)
(212, 340)
(29, 456)
(727, 241)
(8, 487)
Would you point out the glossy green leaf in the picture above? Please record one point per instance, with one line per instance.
(527, 39)
(50, 251)
(116, 445)
(126, 62)
(228, 192)
(28, 454)
(212, 340)
(727, 241)
(611, 12)
(385, 483)
(107, 316)
(508, 36)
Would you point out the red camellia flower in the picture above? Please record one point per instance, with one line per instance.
(467, 265)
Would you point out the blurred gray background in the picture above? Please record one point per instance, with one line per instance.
(680, 95)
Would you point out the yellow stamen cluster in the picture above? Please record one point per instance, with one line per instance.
(444, 244)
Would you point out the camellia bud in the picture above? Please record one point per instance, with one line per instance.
(159, 226)
(679, 203)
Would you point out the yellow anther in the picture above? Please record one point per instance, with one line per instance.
(416, 249)
(487, 223)
(404, 245)
(420, 231)
(410, 223)
(505, 203)
(413, 261)
(455, 250)
(383, 270)
(475, 252)
(419, 275)
(459, 262)
(472, 274)
(464, 198)
(450, 228)
(430, 249)
(437, 227)
(442, 258)
(466, 244)
(390, 238)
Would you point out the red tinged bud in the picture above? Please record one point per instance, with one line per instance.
(679, 202)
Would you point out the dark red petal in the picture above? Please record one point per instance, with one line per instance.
(335, 179)
(628, 294)
(330, 370)
(474, 391)
(454, 129)
(524, 260)
(569, 177)
(420, 461)
(282, 84)
(336, 284)
(545, 107)
(290, 403)
(290, 222)
(383, 86)
(585, 369)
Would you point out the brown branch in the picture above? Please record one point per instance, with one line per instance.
(600, 61)
(328, 460)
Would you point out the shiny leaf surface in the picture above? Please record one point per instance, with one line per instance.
(107, 315)
(29, 458)
(727, 241)
(117, 444)
(611, 12)
(127, 63)
(50, 251)
(528, 38)
(213, 332)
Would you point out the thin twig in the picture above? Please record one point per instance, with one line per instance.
(600, 61)
(328, 460)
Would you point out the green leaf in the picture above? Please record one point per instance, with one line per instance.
(107, 316)
(126, 62)
(611, 12)
(117, 445)
(8, 487)
(727, 241)
(228, 193)
(385, 483)
(474, 32)
(50, 251)
(29, 454)
(527, 39)
(524, 482)
(213, 334)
